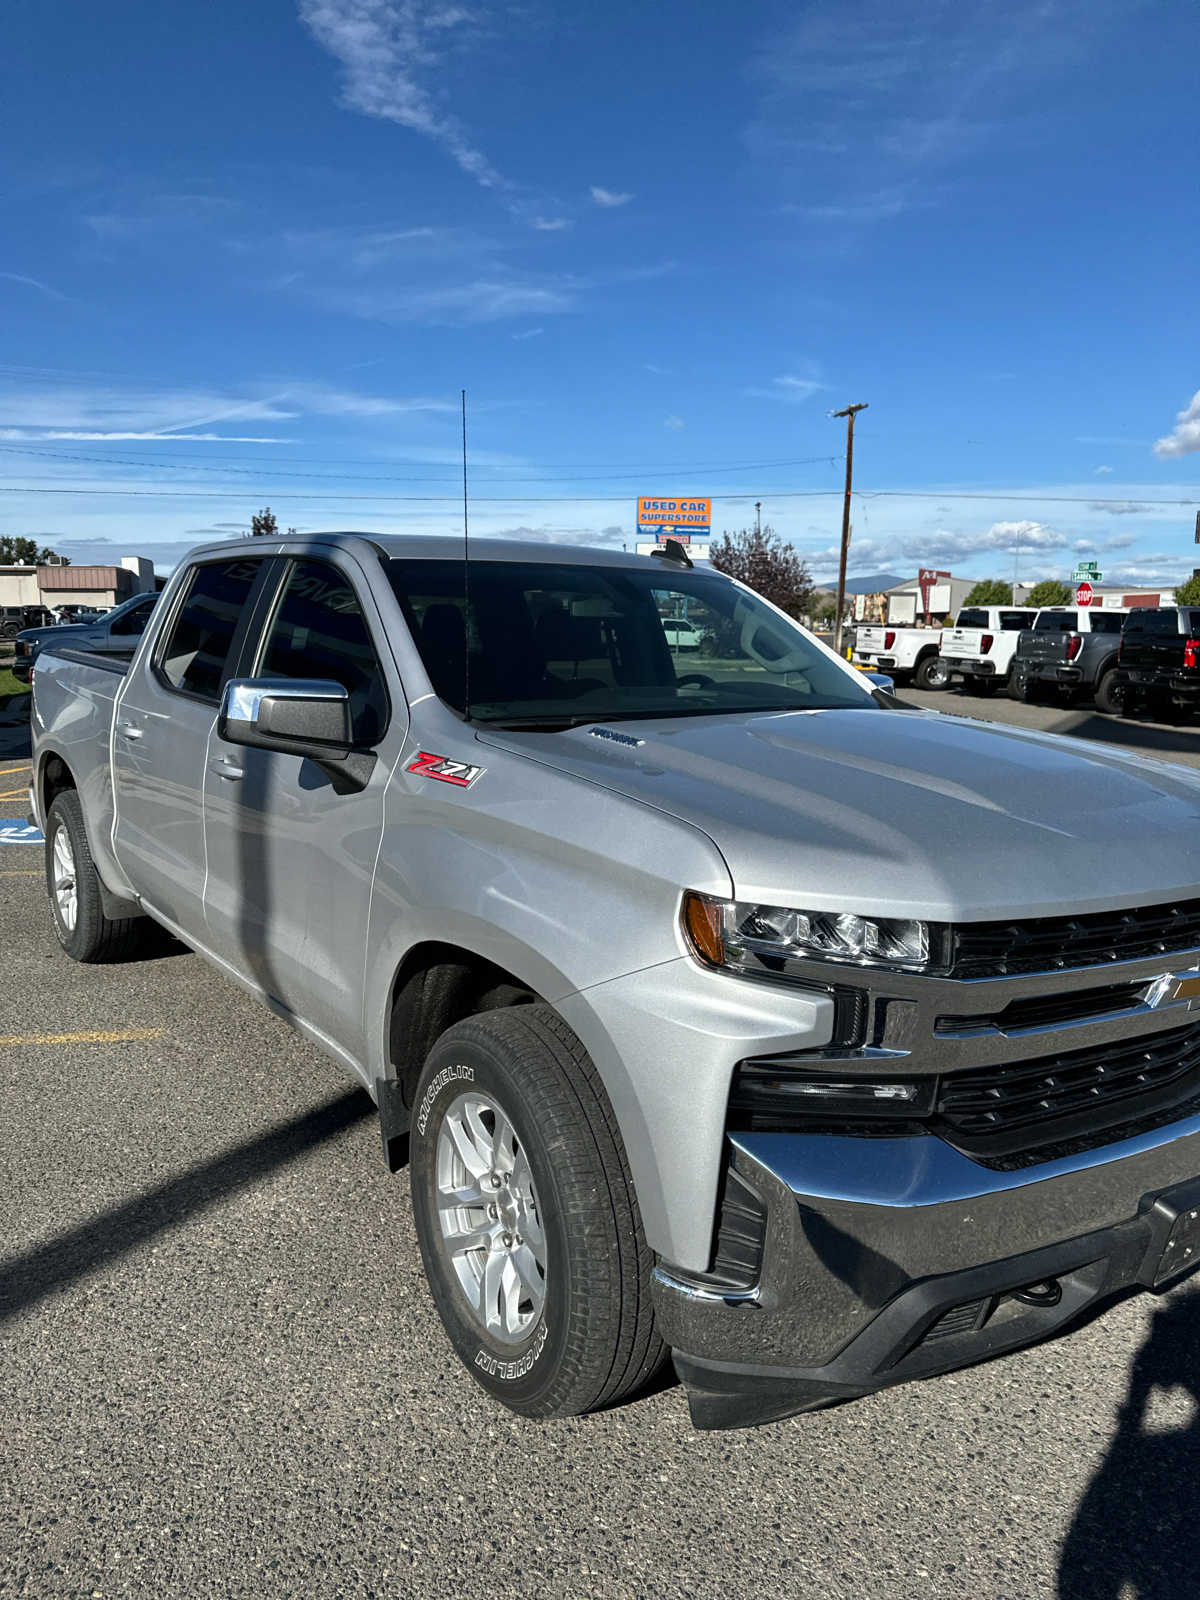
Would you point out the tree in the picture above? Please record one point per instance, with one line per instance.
(1049, 593)
(1188, 594)
(767, 565)
(990, 592)
(263, 524)
(15, 550)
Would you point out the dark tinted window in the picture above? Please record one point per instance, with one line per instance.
(1106, 621)
(1056, 621)
(1014, 621)
(134, 620)
(319, 631)
(972, 619)
(1161, 623)
(196, 650)
(557, 642)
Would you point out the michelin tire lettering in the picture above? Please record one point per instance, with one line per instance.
(510, 1371)
(445, 1076)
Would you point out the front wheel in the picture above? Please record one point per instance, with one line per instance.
(526, 1216)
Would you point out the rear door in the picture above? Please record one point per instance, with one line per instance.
(160, 735)
(291, 860)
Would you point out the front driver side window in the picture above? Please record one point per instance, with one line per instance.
(319, 631)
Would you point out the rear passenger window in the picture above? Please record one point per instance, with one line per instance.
(1014, 621)
(319, 631)
(1106, 622)
(1056, 621)
(197, 647)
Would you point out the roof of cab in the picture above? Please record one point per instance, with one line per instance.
(437, 547)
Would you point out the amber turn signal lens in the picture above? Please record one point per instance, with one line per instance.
(702, 920)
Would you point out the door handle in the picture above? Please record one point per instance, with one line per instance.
(224, 768)
(129, 730)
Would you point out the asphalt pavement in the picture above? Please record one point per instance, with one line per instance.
(221, 1372)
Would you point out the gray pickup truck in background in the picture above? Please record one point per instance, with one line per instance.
(718, 1003)
(1070, 650)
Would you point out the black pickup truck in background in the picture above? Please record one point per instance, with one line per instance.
(1159, 667)
(1072, 651)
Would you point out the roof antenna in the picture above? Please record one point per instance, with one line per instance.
(466, 576)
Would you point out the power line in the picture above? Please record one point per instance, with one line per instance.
(381, 477)
(748, 496)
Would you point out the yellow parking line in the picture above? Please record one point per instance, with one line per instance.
(21, 872)
(100, 1036)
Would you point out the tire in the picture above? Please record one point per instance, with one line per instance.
(1108, 695)
(82, 929)
(1019, 686)
(575, 1330)
(931, 673)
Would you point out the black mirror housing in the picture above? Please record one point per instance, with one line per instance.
(298, 716)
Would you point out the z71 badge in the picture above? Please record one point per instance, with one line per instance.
(446, 771)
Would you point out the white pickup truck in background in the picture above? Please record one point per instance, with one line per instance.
(906, 654)
(979, 649)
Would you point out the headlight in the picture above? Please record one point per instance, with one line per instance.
(764, 939)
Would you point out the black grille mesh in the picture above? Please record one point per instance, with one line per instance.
(1049, 944)
(996, 1105)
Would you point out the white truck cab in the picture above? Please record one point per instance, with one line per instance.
(978, 651)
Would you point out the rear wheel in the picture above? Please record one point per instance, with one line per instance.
(931, 673)
(1020, 686)
(1108, 694)
(527, 1220)
(76, 907)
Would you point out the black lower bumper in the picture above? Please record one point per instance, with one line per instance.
(1044, 672)
(940, 1323)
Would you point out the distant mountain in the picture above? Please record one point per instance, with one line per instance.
(876, 583)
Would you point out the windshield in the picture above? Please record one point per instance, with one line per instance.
(567, 643)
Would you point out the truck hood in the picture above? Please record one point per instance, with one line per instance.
(60, 632)
(903, 813)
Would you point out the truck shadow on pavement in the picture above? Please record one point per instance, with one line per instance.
(65, 1259)
(1146, 737)
(1136, 1532)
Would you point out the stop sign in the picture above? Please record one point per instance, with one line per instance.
(1083, 595)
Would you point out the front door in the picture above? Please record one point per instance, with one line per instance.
(291, 860)
(163, 718)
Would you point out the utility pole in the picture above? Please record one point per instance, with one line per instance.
(758, 518)
(850, 412)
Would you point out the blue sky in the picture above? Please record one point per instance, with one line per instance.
(251, 254)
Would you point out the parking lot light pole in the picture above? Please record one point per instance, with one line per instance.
(850, 412)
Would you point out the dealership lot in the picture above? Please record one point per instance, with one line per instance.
(224, 1374)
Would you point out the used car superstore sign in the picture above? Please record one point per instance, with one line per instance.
(674, 513)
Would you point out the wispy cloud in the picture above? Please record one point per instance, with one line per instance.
(33, 283)
(868, 109)
(30, 436)
(1118, 508)
(790, 388)
(479, 300)
(674, 422)
(529, 333)
(387, 49)
(1103, 469)
(1184, 438)
(551, 224)
(609, 197)
(181, 416)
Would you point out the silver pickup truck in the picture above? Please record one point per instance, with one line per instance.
(718, 1002)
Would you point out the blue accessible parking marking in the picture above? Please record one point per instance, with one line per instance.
(19, 833)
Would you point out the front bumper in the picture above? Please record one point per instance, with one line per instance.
(896, 1258)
